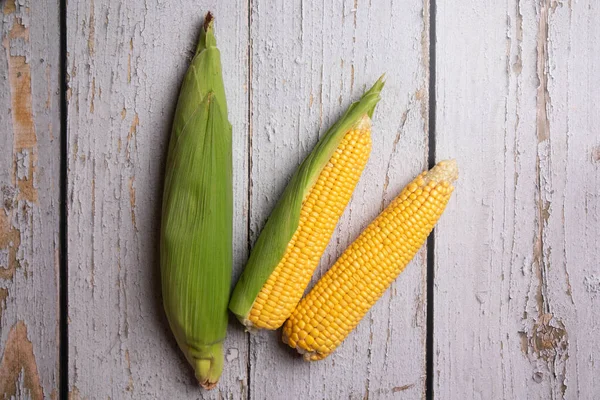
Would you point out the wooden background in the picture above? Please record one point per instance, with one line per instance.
(511, 92)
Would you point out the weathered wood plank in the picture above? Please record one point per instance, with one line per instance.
(309, 61)
(516, 262)
(29, 191)
(569, 199)
(126, 61)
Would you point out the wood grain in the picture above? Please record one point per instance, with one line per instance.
(309, 62)
(29, 191)
(125, 65)
(516, 262)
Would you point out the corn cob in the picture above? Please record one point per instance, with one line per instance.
(296, 234)
(340, 299)
(196, 231)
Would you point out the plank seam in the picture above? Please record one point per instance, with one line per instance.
(249, 226)
(429, 359)
(63, 234)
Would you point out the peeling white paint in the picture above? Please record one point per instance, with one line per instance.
(514, 107)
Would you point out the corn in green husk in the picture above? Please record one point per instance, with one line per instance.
(196, 231)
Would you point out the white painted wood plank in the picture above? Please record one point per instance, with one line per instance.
(570, 182)
(29, 195)
(516, 266)
(309, 62)
(126, 62)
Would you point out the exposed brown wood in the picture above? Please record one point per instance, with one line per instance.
(29, 198)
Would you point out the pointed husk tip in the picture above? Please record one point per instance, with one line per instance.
(209, 21)
(207, 35)
(374, 91)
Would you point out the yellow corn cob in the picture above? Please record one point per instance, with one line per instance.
(319, 215)
(294, 237)
(366, 269)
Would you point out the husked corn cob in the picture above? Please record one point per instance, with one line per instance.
(318, 217)
(298, 231)
(197, 215)
(341, 298)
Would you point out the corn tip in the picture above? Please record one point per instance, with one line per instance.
(208, 364)
(208, 385)
(450, 169)
(208, 21)
(445, 170)
(364, 123)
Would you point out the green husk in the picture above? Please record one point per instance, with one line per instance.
(196, 231)
(283, 221)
